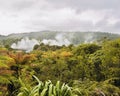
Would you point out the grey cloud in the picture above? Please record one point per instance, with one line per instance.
(16, 4)
(86, 4)
(72, 15)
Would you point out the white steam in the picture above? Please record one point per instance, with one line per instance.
(25, 44)
(89, 38)
(59, 40)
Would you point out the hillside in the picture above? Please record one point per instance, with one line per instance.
(72, 37)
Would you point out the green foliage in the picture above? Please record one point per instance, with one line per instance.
(86, 48)
(45, 89)
(90, 70)
(93, 88)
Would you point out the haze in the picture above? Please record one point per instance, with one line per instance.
(17, 16)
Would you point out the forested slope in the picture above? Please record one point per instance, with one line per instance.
(90, 69)
(72, 37)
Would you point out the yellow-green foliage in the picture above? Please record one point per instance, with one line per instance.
(93, 62)
(3, 49)
(6, 61)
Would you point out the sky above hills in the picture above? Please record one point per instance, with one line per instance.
(17, 16)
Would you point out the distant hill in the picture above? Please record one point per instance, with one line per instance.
(73, 37)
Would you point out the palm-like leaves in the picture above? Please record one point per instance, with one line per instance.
(45, 89)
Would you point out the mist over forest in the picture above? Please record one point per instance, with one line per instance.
(54, 38)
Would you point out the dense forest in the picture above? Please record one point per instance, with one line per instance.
(88, 69)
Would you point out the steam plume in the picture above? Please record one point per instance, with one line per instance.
(59, 40)
(25, 44)
(89, 38)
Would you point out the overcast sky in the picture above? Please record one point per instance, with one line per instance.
(17, 16)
